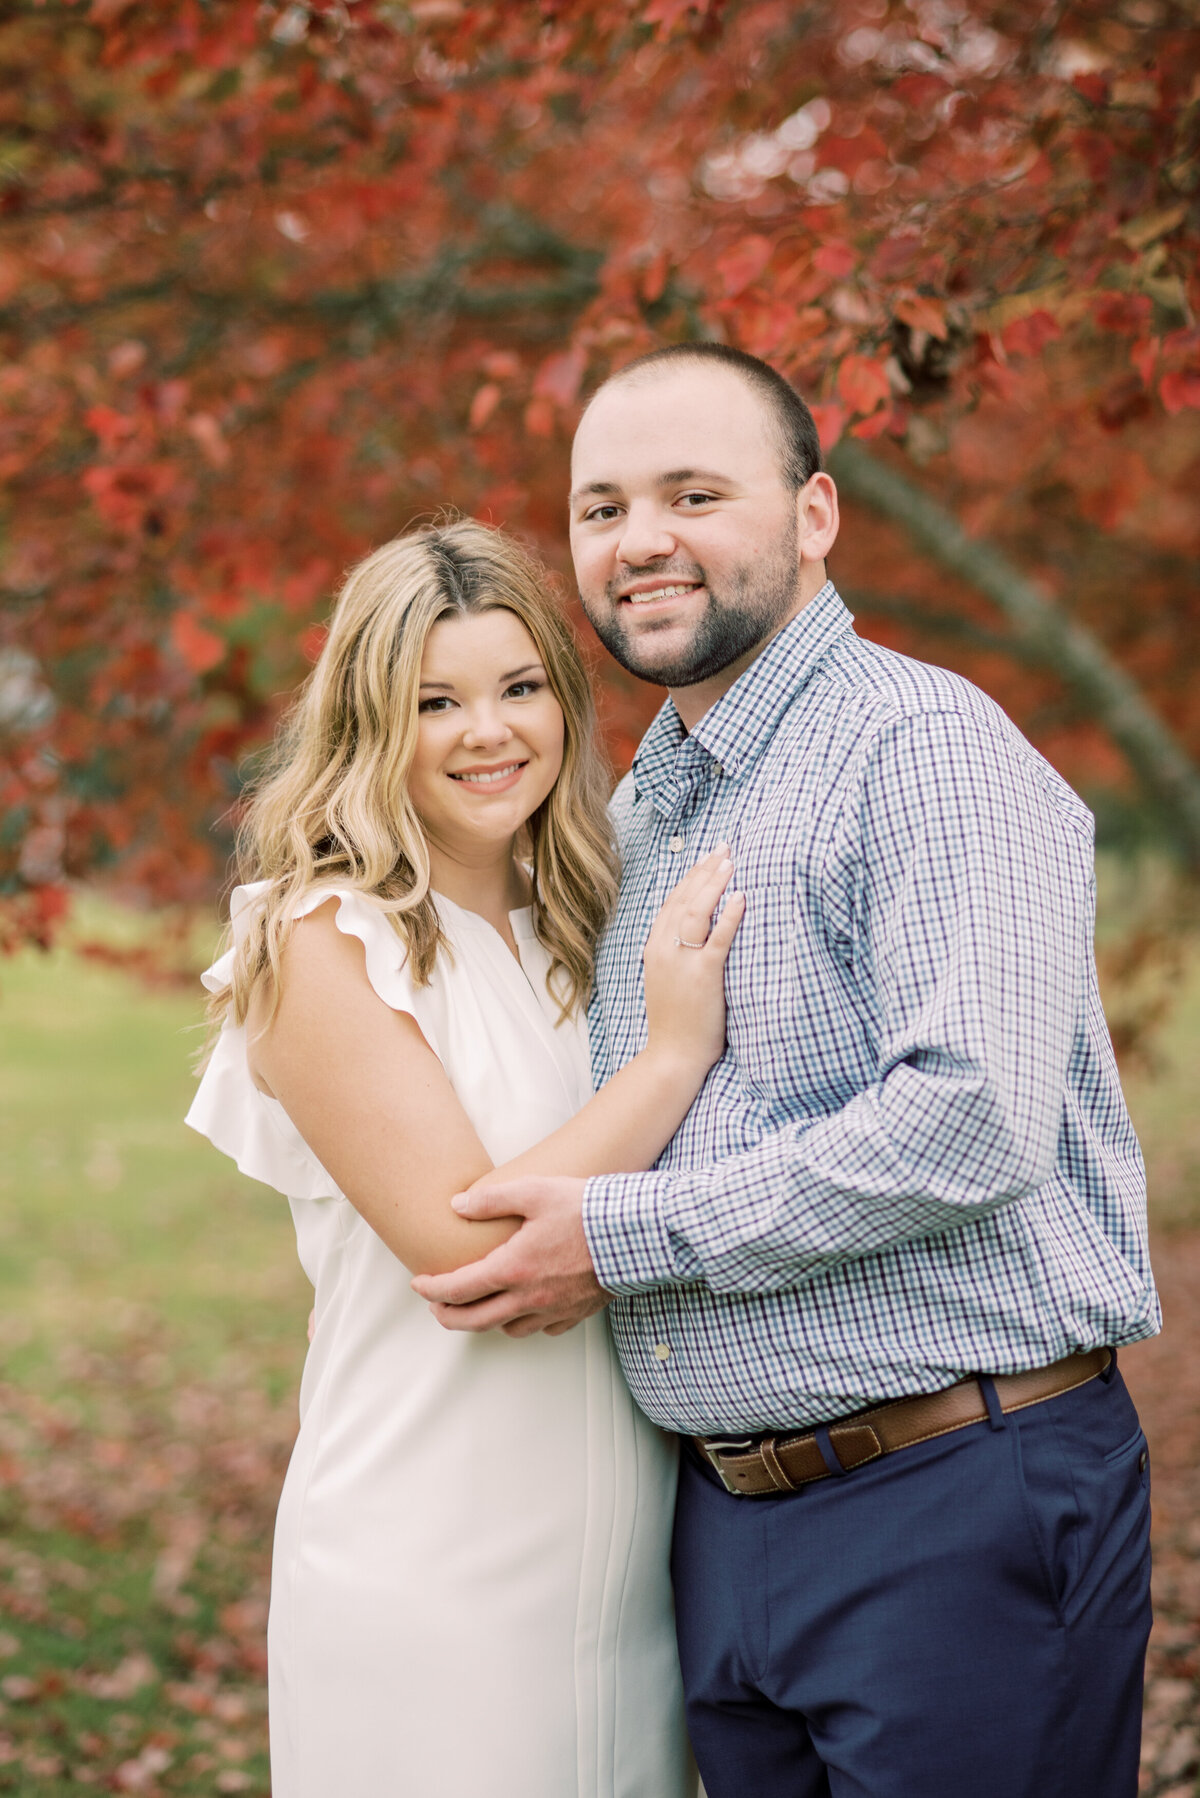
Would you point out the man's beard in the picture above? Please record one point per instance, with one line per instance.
(731, 625)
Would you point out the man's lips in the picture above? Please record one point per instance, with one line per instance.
(658, 592)
(496, 779)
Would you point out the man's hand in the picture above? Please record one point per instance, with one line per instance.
(540, 1279)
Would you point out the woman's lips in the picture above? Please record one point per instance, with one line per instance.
(490, 780)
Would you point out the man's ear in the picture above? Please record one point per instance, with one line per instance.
(817, 518)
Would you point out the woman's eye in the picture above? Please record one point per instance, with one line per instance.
(436, 704)
(522, 689)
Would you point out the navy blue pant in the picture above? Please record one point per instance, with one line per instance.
(962, 1619)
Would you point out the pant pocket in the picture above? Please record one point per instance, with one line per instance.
(1090, 1511)
(1051, 1514)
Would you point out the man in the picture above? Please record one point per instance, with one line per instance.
(874, 1281)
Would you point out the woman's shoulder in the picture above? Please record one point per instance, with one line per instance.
(229, 1107)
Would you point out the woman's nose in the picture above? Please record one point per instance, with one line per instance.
(485, 726)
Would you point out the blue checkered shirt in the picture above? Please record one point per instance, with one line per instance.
(914, 1161)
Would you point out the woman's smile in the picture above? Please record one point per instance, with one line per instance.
(490, 780)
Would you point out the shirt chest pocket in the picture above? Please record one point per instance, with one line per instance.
(763, 980)
(788, 1004)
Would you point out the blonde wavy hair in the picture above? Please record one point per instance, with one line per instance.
(333, 805)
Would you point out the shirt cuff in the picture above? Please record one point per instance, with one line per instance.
(623, 1220)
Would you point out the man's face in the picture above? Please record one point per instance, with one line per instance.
(683, 531)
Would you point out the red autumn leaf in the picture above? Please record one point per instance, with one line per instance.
(200, 649)
(1125, 312)
(835, 258)
(654, 278)
(501, 365)
(1144, 357)
(559, 377)
(1179, 389)
(667, 15)
(874, 426)
(1094, 88)
(111, 427)
(830, 420)
(863, 383)
(742, 263)
(539, 417)
(1029, 336)
(204, 430)
(486, 399)
(849, 153)
(920, 313)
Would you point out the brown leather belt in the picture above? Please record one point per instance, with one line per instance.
(765, 1467)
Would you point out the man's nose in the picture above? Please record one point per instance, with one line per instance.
(647, 537)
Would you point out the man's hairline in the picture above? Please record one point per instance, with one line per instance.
(641, 374)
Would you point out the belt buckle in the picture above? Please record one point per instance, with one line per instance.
(715, 1446)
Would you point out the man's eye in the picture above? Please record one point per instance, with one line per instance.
(695, 499)
(601, 514)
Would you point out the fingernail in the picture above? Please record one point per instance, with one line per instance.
(459, 1202)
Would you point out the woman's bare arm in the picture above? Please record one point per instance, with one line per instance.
(376, 1107)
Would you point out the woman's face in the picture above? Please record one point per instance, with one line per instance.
(489, 736)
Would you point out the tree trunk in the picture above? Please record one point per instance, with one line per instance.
(1041, 630)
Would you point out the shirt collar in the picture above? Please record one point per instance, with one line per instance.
(735, 731)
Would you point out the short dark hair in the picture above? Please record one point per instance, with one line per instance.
(800, 447)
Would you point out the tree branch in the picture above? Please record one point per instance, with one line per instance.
(1045, 631)
(940, 624)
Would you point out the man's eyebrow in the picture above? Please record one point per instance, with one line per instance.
(593, 487)
(674, 477)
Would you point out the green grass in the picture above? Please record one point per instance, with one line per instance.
(114, 1215)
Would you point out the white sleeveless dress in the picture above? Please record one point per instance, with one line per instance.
(470, 1594)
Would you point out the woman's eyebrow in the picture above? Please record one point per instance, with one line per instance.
(447, 686)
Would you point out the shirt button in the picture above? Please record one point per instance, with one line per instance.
(661, 1352)
(675, 845)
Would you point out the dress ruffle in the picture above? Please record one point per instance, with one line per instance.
(246, 1124)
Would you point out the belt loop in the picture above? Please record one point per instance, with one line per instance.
(991, 1399)
(1108, 1374)
(828, 1452)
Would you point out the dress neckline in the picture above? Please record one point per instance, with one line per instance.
(522, 915)
(521, 920)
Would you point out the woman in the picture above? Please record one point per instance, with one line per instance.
(469, 1587)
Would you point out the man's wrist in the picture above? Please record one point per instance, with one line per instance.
(627, 1236)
